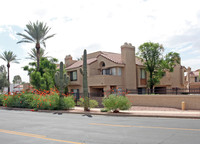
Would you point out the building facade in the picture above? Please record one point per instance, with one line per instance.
(110, 71)
(192, 79)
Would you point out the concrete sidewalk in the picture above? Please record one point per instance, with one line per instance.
(141, 113)
(136, 113)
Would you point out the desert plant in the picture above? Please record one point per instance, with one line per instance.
(68, 102)
(61, 81)
(85, 82)
(92, 103)
(115, 103)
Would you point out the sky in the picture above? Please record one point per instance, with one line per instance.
(102, 25)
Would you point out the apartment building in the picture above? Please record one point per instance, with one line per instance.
(192, 79)
(108, 70)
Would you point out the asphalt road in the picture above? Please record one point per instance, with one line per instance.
(23, 127)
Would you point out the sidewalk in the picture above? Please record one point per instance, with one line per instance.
(158, 112)
(136, 111)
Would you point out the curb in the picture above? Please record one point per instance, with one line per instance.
(121, 114)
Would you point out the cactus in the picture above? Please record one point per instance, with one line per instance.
(85, 82)
(61, 81)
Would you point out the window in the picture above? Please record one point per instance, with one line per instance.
(106, 72)
(73, 76)
(196, 79)
(142, 74)
(119, 72)
(113, 71)
(103, 64)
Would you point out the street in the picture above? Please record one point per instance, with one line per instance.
(24, 127)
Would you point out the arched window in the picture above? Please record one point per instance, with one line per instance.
(102, 64)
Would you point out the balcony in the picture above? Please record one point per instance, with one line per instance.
(103, 80)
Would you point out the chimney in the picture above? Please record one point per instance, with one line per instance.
(69, 61)
(128, 58)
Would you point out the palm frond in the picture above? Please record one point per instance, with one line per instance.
(9, 56)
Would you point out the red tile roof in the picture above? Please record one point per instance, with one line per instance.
(194, 73)
(114, 57)
(80, 63)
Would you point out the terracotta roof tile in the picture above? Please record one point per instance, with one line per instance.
(114, 57)
(80, 63)
(138, 61)
(194, 73)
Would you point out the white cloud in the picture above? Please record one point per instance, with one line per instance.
(105, 25)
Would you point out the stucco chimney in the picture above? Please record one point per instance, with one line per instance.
(129, 71)
(69, 61)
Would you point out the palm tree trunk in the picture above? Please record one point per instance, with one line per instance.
(8, 66)
(38, 56)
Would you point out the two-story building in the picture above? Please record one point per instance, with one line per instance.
(192, 79)
(108, 70)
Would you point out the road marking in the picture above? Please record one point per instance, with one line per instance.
(151, 127)
(36, 136)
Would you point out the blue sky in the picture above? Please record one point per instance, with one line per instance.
(102, 25)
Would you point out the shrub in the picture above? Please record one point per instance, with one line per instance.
(49, 102)
(18, 100)
(104, 110)
(36, 100)
(1, 100)
(113, 102)
(69, 102)
(92, 103)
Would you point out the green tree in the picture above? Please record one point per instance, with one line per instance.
(155, 63)
(44, 78)
(9, 56)
(3, 78)
(17, 79)
(37, 33)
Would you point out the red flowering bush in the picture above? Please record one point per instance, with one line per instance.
(37, 100)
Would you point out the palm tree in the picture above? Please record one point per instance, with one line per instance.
(33, 54)
(37, 33)
(9, 57)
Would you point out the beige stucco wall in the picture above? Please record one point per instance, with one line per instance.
(173, 79)
(174, 101)
(129, 71)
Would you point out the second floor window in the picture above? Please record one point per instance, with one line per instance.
(112, 71)
(106, 72)
(196, 79)
(142, 74)
(73, 76)
(119, 72)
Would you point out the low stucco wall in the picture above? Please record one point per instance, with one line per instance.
(192, 102)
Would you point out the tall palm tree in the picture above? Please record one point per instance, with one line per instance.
(37, 33)
(9, 57)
